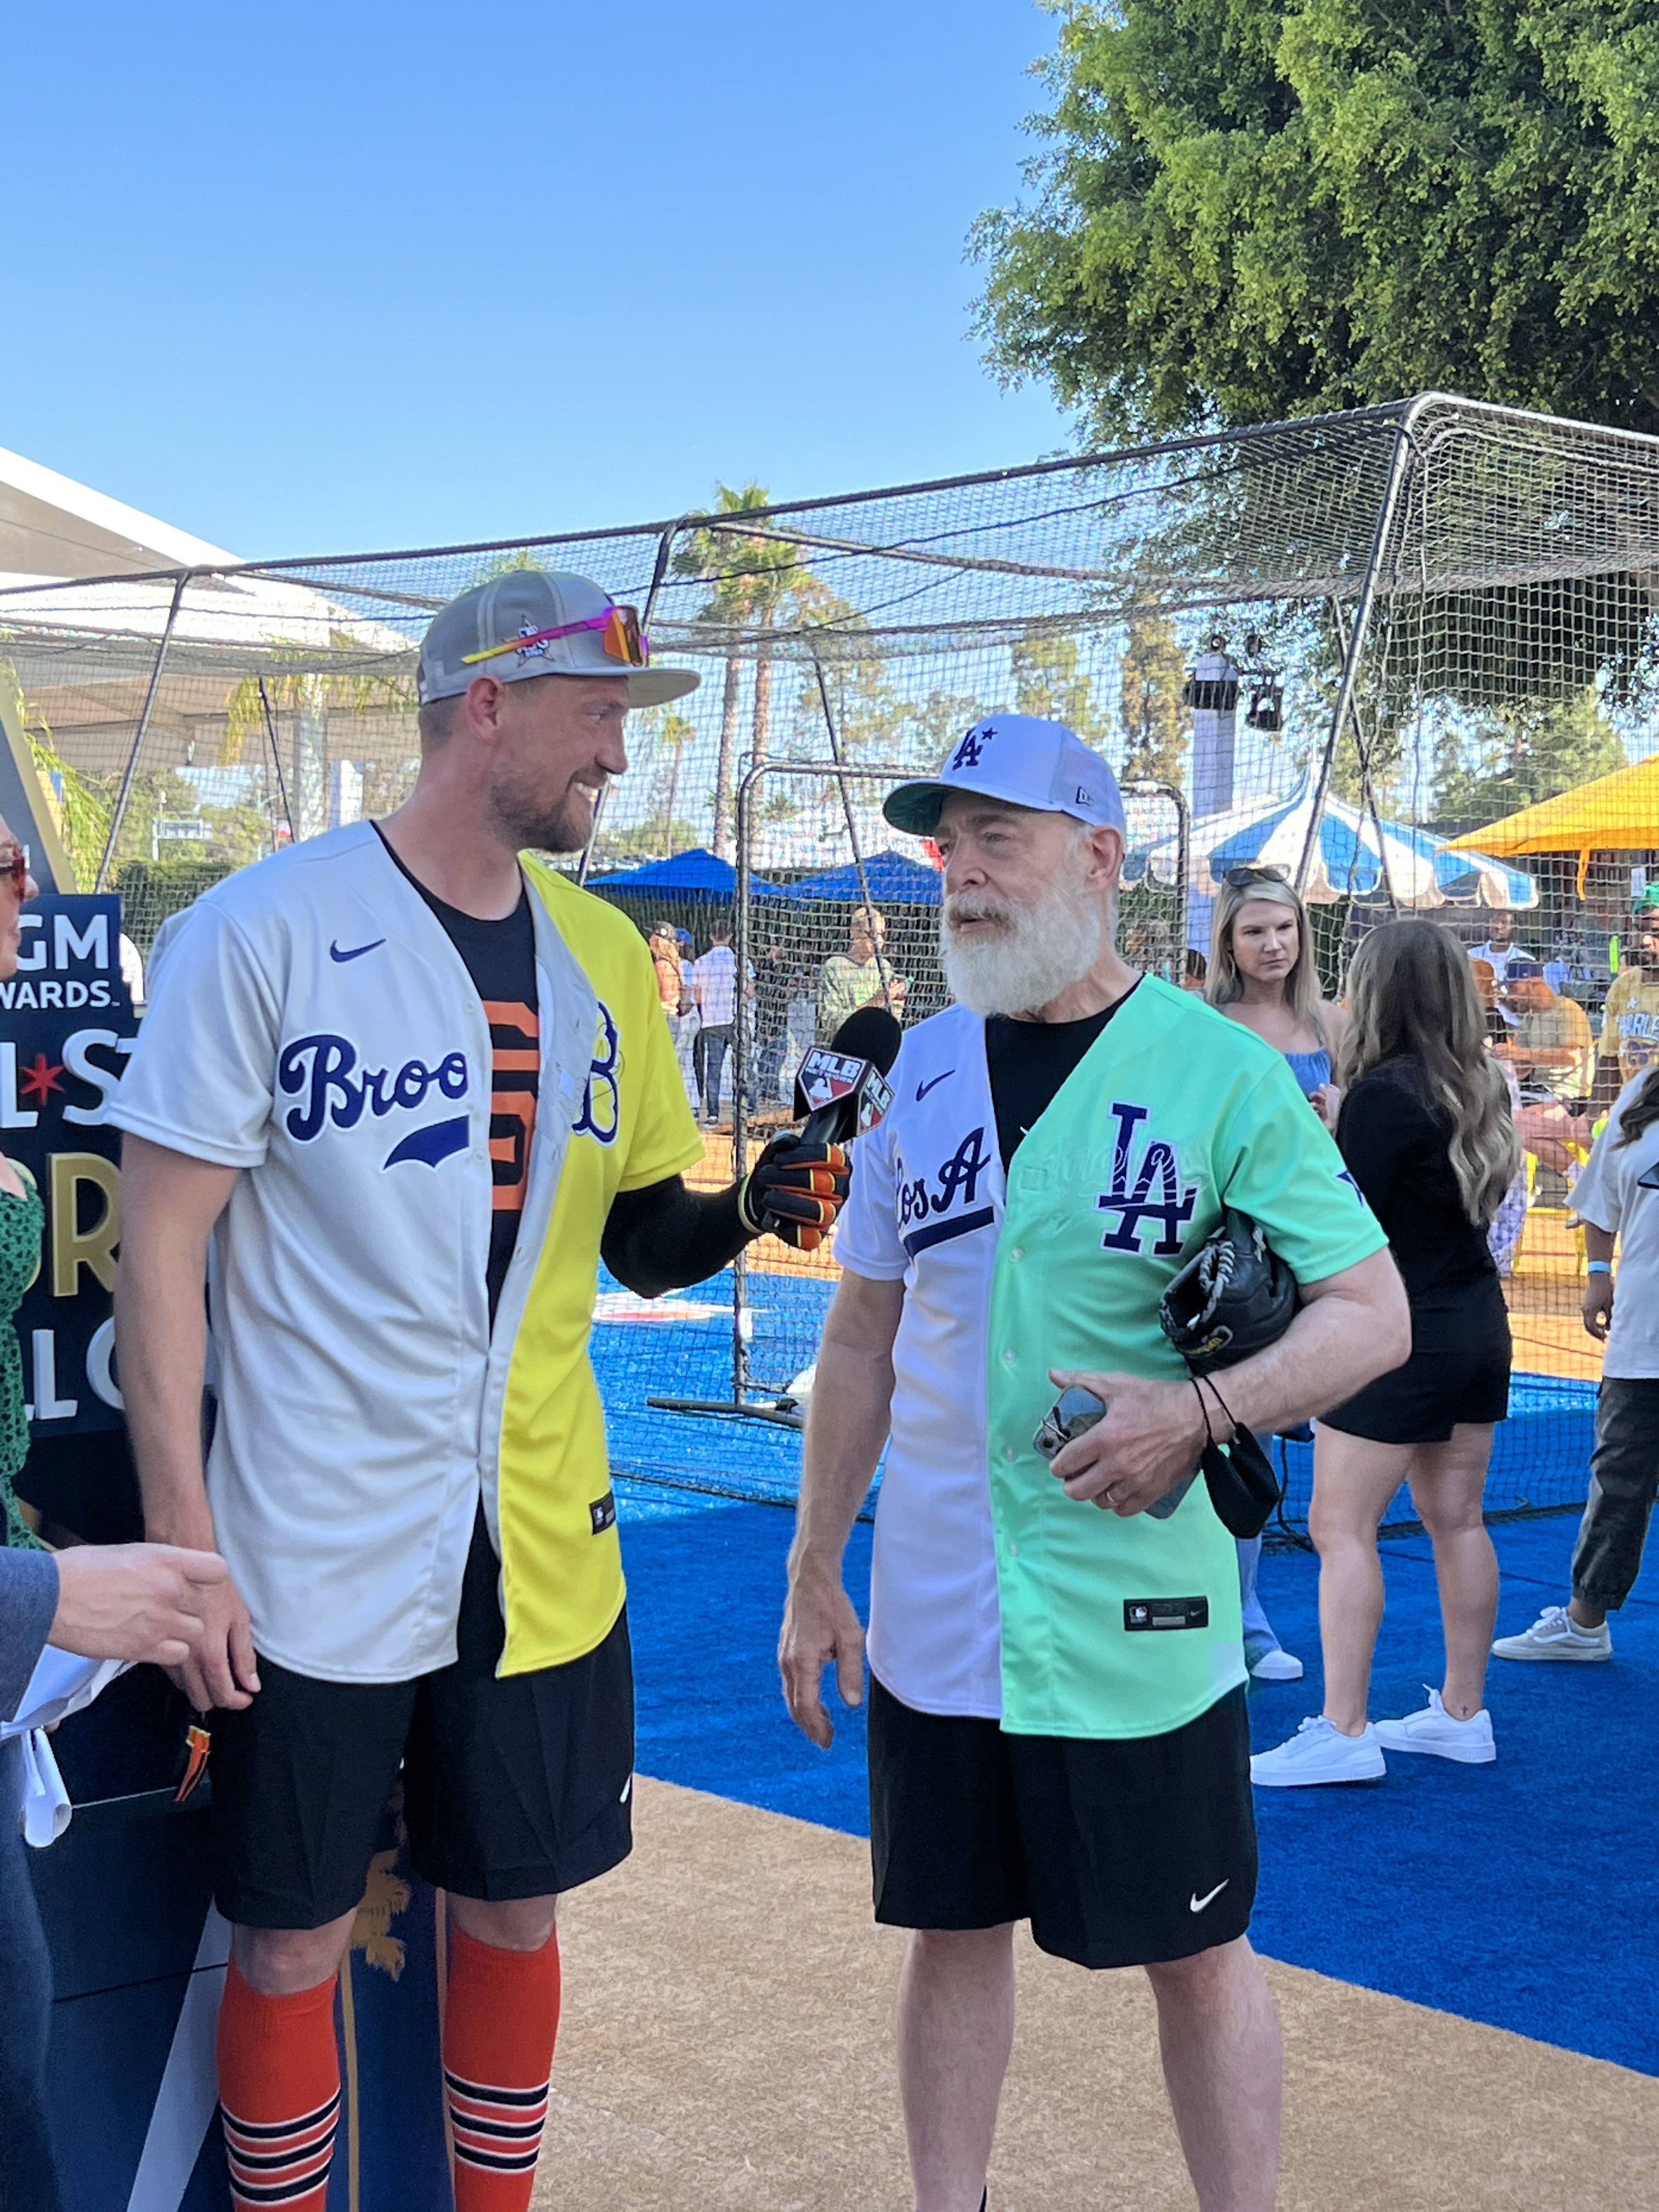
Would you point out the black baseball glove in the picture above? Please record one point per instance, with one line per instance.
(794, 1192)
(1234, 1297)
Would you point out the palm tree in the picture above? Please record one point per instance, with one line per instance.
(754, 584)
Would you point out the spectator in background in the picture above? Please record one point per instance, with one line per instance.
(1617, 1198)
(1261, 974)
(715, 991)
(860, 976)
(1630, 1021)
(1552, 1052)
(775, 985)
(1425, 1129)
(1496, 1023)
(1500, 953)
(1194, 972)
(672, 986)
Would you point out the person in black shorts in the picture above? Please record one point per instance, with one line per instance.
(1426, 1131)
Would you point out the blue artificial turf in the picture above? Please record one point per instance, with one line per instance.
(1524, 1894)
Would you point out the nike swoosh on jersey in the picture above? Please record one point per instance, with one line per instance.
(1198, 1904)
(355, 951)
(922, 1089)
(433, 1144)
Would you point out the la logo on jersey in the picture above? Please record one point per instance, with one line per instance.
(1156, 1194)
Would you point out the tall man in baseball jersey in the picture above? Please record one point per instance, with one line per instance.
(410, 1085)
(1057, 1725)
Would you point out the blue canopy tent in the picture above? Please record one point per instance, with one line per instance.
(891, 878)
(698, 877)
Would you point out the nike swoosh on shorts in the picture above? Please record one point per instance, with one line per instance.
(1198, 1904)
(932, 1084)
(355, 951)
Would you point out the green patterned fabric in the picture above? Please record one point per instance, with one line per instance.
(22, 1221)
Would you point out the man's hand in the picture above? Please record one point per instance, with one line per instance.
(1152, 1436)
(146, 1603)
(222, 1670)
(820, 1629)
(1597, 1306)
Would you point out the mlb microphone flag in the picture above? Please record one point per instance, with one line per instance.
(827, 1078)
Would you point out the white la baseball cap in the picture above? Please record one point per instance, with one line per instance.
(1021, 758)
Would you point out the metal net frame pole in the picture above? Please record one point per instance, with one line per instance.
(1399, 463)
(139, 734)
(1177, 798)
(748, 813)
(665, 548)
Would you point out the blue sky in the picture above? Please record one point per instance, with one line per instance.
(308, 278)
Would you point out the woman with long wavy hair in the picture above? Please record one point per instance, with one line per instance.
(1425, 1132)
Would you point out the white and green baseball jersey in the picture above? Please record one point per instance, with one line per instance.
(992, 1592)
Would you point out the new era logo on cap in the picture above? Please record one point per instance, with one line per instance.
(1023, 759)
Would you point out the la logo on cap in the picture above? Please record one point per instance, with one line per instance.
(968, 754)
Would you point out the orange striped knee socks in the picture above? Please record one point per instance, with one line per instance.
(279, 2094)
(501, 2018)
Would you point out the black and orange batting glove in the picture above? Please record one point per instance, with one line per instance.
(795, 1191)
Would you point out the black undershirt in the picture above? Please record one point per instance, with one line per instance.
(1029, 1061)
(658, 1239)
(501, 958)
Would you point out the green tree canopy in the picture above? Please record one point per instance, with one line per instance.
(1249, 210)
(1521, 757)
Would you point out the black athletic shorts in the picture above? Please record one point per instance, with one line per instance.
(1119, 1853)
(514, 1787)
(1458, 1371)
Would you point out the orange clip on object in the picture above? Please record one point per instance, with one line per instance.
(199, 1743)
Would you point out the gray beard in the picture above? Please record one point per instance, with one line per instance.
(1043, 948)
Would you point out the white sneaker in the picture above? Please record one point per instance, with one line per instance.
(1434, 1730)
(1556, 1634)
(1276, 1666)
(1319, 1753)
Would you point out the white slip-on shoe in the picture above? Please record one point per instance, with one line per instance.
(1319, 1753)
(1276, 1666)
(1433, 1728)
(1556, 1634)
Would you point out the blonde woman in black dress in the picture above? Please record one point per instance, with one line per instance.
(1424, 1128)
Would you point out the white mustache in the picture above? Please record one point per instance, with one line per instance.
(975, 906)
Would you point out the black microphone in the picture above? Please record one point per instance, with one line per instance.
(841, 1090)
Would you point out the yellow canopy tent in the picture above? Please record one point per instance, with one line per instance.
(1617, 813)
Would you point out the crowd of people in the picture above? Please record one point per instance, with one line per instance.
(794, 1001)
(408, 1086)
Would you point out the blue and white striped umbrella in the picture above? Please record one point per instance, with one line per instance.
(1350, 860)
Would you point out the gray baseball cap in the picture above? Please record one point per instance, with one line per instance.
(534, 621)
(1020, 757)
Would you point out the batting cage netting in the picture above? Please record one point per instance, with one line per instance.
(1407, 655)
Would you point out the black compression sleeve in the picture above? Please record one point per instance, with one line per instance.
(664, 1236)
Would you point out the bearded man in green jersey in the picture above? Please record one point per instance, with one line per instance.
(1057, 1727)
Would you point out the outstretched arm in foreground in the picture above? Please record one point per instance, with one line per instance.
(846, 1429)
